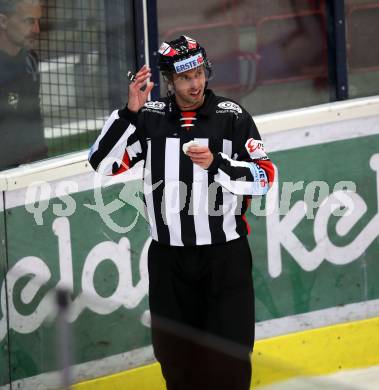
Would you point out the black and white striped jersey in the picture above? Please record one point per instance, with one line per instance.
(185, 204)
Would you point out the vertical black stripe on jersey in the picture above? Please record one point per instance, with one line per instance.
(186, 215)
(241, 227)
(157, 172)
(215, 202)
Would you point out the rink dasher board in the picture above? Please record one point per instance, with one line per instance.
(308, 300)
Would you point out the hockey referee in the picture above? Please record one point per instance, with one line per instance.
(203, 161)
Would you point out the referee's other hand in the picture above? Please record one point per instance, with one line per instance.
(200, 155)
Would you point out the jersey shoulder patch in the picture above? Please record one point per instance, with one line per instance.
(155, 105)
(229, 106)
(256, 149)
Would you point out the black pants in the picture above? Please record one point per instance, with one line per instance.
(202, 314)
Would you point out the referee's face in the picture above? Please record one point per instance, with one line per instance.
(189, 88)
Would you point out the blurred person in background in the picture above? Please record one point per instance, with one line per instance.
(21, 126)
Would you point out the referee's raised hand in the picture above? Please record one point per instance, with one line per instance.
(139, 89)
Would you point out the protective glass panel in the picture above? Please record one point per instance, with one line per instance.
(362, 31)
(59, 61)
(269, 56)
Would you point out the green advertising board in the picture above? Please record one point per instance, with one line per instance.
(319, 246)
(4, 346)
(314, 241)
(106, 272)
